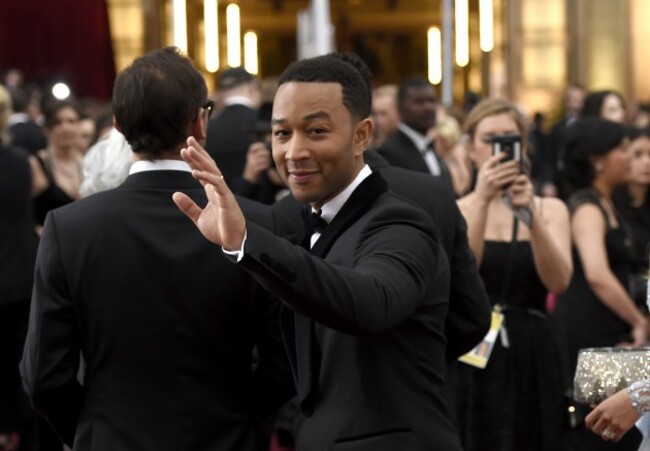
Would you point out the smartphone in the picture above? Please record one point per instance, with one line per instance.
(510, 145)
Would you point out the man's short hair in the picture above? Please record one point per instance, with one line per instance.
(326, 69)
(409, 83)
(233, 77)
(156, 98)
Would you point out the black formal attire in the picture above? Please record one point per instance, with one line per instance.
(366, 342)
(17, 253)
(400, 150)
(53, 196)
(468, 318)
(165, 324)
(27, 135)
(228, 138)
(583, 321)
(638, 220)
(517, 401)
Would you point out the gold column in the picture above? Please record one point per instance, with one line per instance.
(640, 60)
(607, 45)
(126, 20)
(537, 53)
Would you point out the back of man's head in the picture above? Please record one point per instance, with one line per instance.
(233, 78)
(326, 69)
(156, 98)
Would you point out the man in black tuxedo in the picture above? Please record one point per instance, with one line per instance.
(231, 133)
(369, 297)
(410, 147)
(165, 324)
(23, 131)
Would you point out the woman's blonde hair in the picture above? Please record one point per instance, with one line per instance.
(5, 108)
(492, 107)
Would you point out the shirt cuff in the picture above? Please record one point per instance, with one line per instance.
(240, 253)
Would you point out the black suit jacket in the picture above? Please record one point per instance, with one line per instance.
(17, 236)
(28, 135)
(165, 324)
(468, 318)
(229, 137)
(400, 151)
(370, 302)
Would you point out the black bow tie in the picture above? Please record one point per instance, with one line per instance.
(315, 223)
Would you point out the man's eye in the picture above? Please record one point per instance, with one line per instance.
(318, 130)
(280, 133)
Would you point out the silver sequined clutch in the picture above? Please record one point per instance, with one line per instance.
(601, 372)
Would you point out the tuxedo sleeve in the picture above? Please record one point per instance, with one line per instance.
(395, 263)
(51, 356)
(469, 315)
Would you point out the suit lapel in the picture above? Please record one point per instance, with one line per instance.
(356, 206)
(308, 352)
(413, 152)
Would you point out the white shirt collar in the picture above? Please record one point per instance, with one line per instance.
(17, 118)
(159, 165)
(238, 100)
(421, 141)
(334, 205)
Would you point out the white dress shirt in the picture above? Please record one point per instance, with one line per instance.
(423, 144)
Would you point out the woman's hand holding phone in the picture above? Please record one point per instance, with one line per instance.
(496, 174)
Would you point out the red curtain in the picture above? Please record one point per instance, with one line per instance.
(52, 40)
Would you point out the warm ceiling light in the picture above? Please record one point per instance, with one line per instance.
(434, 50)
(250, 53)
(233, 35)
(487, 25)
(462, 33)
(211, 22)
(180, 25)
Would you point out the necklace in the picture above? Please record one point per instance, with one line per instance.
(60, 168)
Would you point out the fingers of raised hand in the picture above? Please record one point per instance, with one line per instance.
(187, 206)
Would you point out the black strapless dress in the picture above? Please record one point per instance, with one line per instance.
(516, 403)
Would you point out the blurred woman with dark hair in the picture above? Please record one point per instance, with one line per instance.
(58, 174)
(608, 105)
(596, 310)
(633, 201)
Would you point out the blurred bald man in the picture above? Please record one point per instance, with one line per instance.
(384, 113)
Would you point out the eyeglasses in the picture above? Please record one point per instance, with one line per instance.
(208, 106)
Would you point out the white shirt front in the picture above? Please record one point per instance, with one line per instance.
(334, 205)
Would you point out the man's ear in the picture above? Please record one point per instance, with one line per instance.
(199, 126)
(362, 136)
(116, 125)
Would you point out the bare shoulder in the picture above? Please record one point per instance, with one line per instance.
(552, 208)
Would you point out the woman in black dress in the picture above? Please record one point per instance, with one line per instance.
(515, 403)
(633, 201)
(57, 170)
(596, 310)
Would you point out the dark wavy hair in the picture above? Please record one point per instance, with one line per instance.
(594, 103)
(586, 138)
(156, 98)
(52, 108)
(328, 69)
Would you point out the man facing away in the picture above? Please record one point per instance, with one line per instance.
(368, 292)
(165, 324)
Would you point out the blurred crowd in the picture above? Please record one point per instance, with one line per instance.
(559, 228)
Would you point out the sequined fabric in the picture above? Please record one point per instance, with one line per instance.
(640, 396)
(601, 372)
